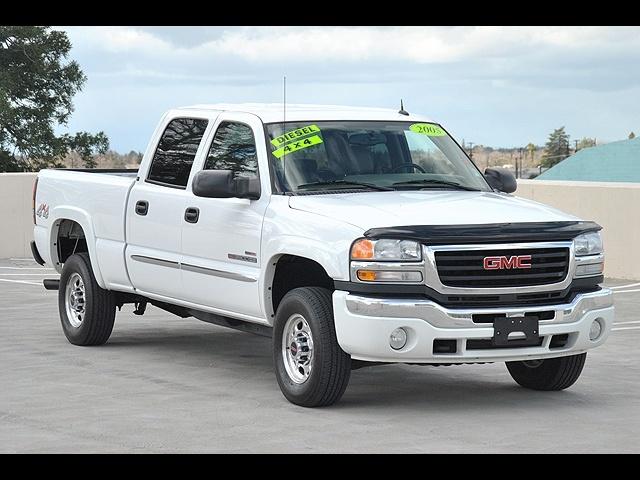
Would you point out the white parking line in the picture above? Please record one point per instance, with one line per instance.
(623, 323)
(627, 291)
(26, 268)
(625, 328)
(618, 287)
(26, 274)
(20, 281)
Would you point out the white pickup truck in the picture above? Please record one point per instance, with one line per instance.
(350, 236)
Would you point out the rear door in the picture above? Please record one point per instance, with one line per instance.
(155, 209)
(221, 250)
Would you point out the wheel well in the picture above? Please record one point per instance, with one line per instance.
(70, 240)
(293, 272)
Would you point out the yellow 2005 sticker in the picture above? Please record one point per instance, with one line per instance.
(428, 129)
(295, 145)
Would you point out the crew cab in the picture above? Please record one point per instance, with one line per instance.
(350, 236)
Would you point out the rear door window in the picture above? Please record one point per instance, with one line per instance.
(173, 158)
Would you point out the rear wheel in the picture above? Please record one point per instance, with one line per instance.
(311, 368)
(549, 374)
(87, 312)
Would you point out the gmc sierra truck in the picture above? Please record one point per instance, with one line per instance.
(350, 236)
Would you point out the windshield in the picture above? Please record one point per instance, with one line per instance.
(335, 155)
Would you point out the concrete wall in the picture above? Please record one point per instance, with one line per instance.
(16, 218)
(615, 206)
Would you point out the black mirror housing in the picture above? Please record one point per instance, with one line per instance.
(222, 184)
(501, 179)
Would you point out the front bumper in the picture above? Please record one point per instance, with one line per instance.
(364, 324)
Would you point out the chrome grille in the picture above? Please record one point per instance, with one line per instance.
(465, 268)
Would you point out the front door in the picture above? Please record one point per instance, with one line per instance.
(221, 241)
(155, 209)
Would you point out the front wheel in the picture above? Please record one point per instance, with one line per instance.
(311, 368)
(87, 312)
(549, 374)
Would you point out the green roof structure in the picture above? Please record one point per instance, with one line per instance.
(610, 162)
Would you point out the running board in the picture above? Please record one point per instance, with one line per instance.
(242, 325)
(258, 329)
(51, 284)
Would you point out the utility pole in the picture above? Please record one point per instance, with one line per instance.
(576, 149)
(519, 161)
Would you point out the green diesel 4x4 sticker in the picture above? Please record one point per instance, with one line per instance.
(297, 139)
(296, 145)
(428, 129)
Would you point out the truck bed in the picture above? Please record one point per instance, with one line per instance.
(97, 200)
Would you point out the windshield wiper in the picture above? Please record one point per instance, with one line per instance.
(434, 182)
(347, 183)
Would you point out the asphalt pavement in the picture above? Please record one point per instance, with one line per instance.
(166, 384)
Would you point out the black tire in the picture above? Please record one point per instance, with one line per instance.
(100, 309)
(550, 374)
(330, 365)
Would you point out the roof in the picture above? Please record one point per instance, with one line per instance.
(273, 112)
(610, 162)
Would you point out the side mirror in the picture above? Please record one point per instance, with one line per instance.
(222, 184)
(501, 179)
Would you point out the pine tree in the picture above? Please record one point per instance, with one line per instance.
(557, 148)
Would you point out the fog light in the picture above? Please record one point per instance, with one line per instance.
(398, 338)
(595, 330)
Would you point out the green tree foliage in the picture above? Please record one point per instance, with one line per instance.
(586, 143)
(557, 148)
(37, 85)
(531, 148)
(632, 136)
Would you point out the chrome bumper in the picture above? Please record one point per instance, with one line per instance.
(443, 317)
(363, 325)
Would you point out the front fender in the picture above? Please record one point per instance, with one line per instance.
(333, 257)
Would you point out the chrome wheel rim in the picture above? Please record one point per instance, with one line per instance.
(75, 300)
(532, 363)
(297, 348)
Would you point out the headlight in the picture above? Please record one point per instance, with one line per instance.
(386, 249)
(588, 244)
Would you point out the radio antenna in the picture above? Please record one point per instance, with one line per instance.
(402, 111)
(284, 118)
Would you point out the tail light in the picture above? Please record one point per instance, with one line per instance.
(33, 203)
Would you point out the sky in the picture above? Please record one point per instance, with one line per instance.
(495, 86)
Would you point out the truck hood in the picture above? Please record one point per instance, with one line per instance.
(388, 209)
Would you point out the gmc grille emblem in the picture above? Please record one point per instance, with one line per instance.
(503, 262)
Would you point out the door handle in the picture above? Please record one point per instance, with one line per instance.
(142, 207)
(192, 214)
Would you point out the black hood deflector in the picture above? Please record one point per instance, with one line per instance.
(486, 233)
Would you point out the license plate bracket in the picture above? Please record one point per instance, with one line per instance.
(523, 331)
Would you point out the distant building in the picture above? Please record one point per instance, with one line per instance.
(610, 162)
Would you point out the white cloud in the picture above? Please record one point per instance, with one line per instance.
(420, 45)
(493, 85)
